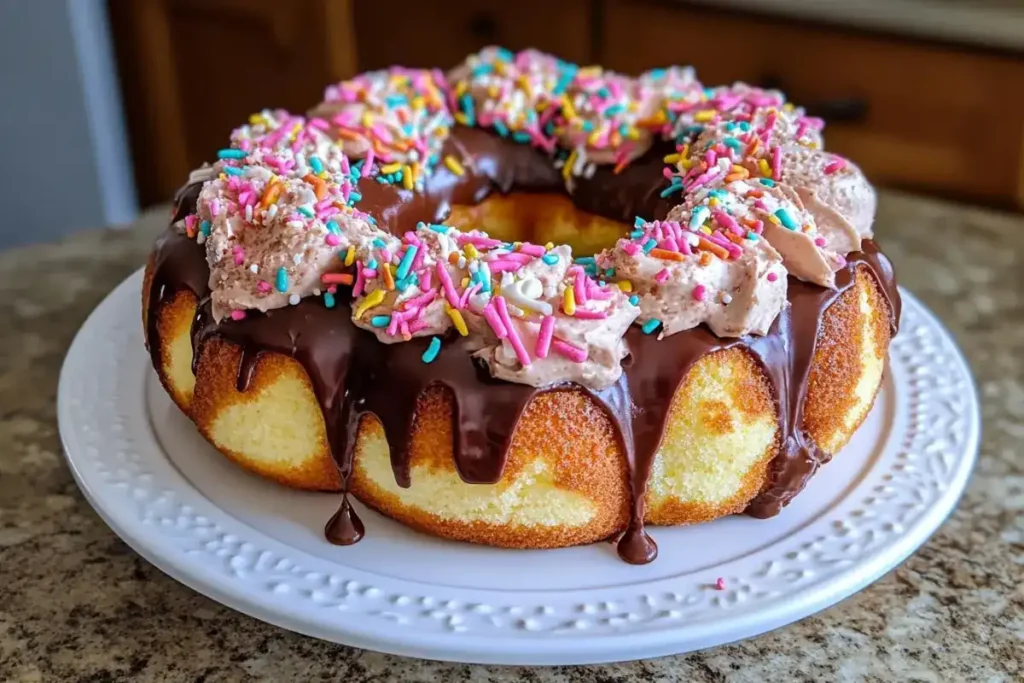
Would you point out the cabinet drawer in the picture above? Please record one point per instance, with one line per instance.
(917, 115)
(427, 33)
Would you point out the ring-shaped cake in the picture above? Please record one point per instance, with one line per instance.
(525, 303)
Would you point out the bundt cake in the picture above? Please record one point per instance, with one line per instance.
(525, 303)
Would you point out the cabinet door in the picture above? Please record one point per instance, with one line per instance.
(425, 33)
(192, 70)
(909, 113)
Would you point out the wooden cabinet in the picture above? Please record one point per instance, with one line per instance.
(943, 119)
(192, 70)
(429, 33)
(911, 114)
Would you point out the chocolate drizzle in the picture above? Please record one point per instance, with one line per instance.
(353, 375)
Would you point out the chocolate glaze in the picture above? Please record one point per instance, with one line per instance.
(353, 375)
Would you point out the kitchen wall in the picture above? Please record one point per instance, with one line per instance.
(64, 163)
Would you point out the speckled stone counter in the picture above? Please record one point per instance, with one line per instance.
(77, 604)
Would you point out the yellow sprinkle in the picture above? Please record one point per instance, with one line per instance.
(686, 164)
(460, 88)
(372, 299)
(633, 133)
(257, 119)
(774, 219)
(686, 151)
(460, 117)
(456, 316)
(465, 282)
(713, 201)
(549, 246)
(705, 229)
(570, 111)
(671, 158)
(787, 107)
(625, 285)
(407, 177)
(704, 115)
(569, 163)
(766, 170)
(569, 301)
(391, 168)
(471, 251)
(594, 137)
(350, 255)
(453, 165)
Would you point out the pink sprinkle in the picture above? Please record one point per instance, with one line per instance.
(502, 266)
(547, 328)
(417, 325)
(819, 241)
(368, 164)
(567, 350)
(513, 335)
(357, 288)
(239, 255)
(448, 286)
(421, 300)
(426, 278)
(237, 314)
(727, 222)
(411, 238)
(584, 314)
(469, 291)
(534, 250)
(698, 292)
(772, 277)
(319, 123)
(214, 207)
(840, 260)
(263, 286)
(332, 239)
(720, 584)
(661, 275)
(837, 164)
(579, 287)
(369, 273)
(494, 320)
(477, 240)
(631, 248)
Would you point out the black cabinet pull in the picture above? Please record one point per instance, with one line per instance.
(837, 110)
(483, 26)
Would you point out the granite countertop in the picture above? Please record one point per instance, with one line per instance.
(77, 604)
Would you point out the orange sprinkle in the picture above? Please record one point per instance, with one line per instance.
(389, 279)
(735, 239)
(271, 194)
(666, 254)
(319, 186)
(705, 258)
(453, 258)
(336, 279)
(756, 194)
(733, 177)
(619, 167)
(708, 245)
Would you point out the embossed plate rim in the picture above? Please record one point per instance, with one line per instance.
(133, 486)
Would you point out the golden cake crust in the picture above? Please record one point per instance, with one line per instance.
(565, 480)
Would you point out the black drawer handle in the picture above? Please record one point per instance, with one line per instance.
(483, 26)
(838, 110)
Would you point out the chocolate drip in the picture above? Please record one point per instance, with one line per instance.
(354, 375)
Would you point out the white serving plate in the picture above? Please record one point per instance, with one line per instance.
(258, 547)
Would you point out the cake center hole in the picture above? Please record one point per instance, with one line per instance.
(539, 218)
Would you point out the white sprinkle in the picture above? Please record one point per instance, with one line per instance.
(293, 299)
(254, 268)
(726, 298)
(316, 292)
(200, 238)
(271, 212)
(248, 213)
(693, 239)
(295, 224)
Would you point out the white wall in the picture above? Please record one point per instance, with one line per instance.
(64, 161)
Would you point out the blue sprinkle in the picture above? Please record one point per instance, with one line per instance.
(372, 264)
(767, 182)
(380, 320)
(395, 100)
(650, 244)
(671, 189)
(610, 273)
(786, 220)
(231, 170)
(521, 137)
(282, 280)
(603, 92)
(437, 227)
(379, 243)
(408, 129)
(481, 70)
(657, 73)
(467, 105)
(316, 164)
(382, 180)
(550, 259)
(752, 236)
(635, 300)
(328, 300)
(354, 196)
(639, 222)
(718, 194)
(432, 350)
(615, 109)
(636, 234)
(504, 54)
(306, 211)
(406, 263)
(549, 128)
(403, 284)
(333, 227)
(651, 325)
(587, 126)
(501, 128)
(699, 215)
(395, 177)
(204, 228)
(602, 283)
(623, 130)
(586, 260)
(370, 218)
(231, 154)
(744, 126)
(733, 142)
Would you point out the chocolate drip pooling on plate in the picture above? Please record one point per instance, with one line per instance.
(354, 375)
